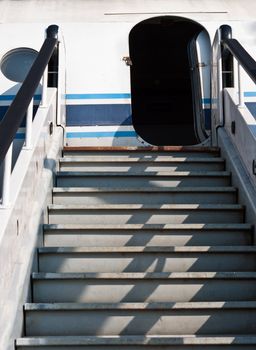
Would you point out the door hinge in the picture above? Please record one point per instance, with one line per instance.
(201, 64)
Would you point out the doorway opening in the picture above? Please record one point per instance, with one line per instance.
(162, 90)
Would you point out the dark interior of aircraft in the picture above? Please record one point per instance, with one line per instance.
(161, 88)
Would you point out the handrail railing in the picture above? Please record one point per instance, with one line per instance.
(242, 56)
(23, 105)
(225, 49)
(17, 110)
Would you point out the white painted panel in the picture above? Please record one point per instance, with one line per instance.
(94, 51)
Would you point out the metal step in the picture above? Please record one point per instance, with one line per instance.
(125, 164)
(112, 195)
(201, 318)
(147, 259)
(183, 342)
(142, 152)
(143, 287)
(141, 214)
(145, 248)
(76, 235)
(153, 179)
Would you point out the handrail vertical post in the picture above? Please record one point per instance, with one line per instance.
(53, 69)
(220, 87)
(236, 74)
(7, 177)
(29, 121)
(44, 88)
(240, 87)
(227, 58)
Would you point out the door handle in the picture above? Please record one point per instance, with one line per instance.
(127, 60)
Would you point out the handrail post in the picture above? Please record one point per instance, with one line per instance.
(227, 58)
(44, 88)
(53, 32)
(29, 121)
(240, 87)
(7, 177)
(220, 87)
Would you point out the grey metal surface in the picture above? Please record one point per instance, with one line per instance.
(201, 318)
(137, 255)
(138, 347)
(150, 214)
(240, 178)
(138, 342)
(141, 165)
(112, 195)
(154, 155)
(143, 287)
(155, 179)
(147, 235)
(150, 259)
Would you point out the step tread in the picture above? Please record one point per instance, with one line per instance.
(147, 206)
(136, 340)
(142, 306)
(145, 174)
(120, 159)
(146, 149)
(150, 226)
(144, 276)
(149, 249)
(144, 189)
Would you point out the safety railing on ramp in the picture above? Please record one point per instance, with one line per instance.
(23, 105)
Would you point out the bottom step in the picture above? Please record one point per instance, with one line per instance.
(137, 343)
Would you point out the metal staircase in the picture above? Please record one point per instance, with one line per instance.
(144, 249)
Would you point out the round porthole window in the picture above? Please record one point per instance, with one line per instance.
(16, 63)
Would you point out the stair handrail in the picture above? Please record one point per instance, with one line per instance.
(243, 58)
(23, 105)
(218, 79)
(18, 108)
(224, 50)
